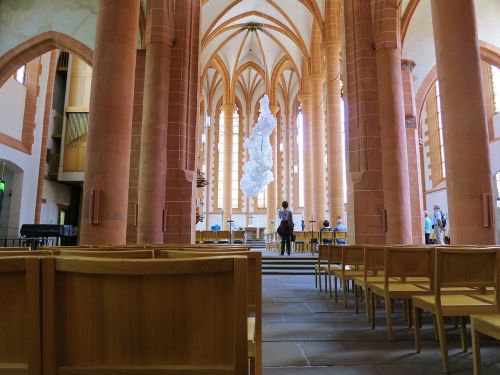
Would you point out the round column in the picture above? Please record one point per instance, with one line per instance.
(272, 192)
(307, 158)
(228, 110)
(318, 150)
(152, 171)
(105, 190)
(465, 135)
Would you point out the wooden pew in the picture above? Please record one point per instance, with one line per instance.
(28, 253)
(127, 316)
(254, 295)
(131, 254)
(20, 350)
(15, 248)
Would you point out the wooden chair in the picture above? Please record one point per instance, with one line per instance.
(128, 316)
(340, 235)
(209, 236)
(223, 237)
(459, 268)
(20, 329)
(198, 237)
(327, 237)
(322, 266)
(402, 263)
(254, 298)
(299, 243)
(486, 324)
(312, 240)
(352, 262)
(238, 237)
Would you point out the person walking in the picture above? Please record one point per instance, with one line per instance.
(285, 229)
(437, 224)
(427, 228)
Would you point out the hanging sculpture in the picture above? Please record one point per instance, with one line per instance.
(258, 169)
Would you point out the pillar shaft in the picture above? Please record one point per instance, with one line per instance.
(464, 121)
(394, 150)
(307, 158)
(152, 171)
(272, 192)
(318, 150)
(104, 213)
(227, 181)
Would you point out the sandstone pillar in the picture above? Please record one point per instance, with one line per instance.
(307, 158)
(105, 190)
(333, 110)
(464, 122)
(318, 150)
(413, 148)
(227, 180)
(272, 204)
(152, 171)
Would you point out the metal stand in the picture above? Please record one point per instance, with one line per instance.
(312, 233)
(230, 230)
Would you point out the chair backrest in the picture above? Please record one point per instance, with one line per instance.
(408, 262)
(335, 253)
(300, 236)
(353, 255)
(341, 235)
(198, 237)
(323, 253)
(128, 254)
(466, 267)
(238, 235)
(373, 262)
(223, 235)
(127, 316)
(327, 235)
(20, 329)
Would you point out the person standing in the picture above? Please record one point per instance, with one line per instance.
(427, 228)
(437, 224)
(285, 229)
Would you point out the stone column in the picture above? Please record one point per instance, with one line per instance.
(413, 148)
(279, 159)
(272, 193)
(287, 175)
(152, 171)
(105, 190)
(228, 110)
(332, 48)
(464, 122)
(318, 149)
(307, 158)
(392, 123)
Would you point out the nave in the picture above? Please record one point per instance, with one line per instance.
(305, 332)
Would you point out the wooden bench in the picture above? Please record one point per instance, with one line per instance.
(20, 350)
(15, 248)
(254, 295)
(127, 316)
(131, 254)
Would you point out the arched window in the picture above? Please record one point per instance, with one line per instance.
(440, 130)
(20, 75)
(261, 199)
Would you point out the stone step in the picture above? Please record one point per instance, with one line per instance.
(288, 265)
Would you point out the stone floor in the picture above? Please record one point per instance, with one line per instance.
(304, 332)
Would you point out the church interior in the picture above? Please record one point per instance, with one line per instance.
(361, 136)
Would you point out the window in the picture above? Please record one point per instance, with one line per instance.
(300, 145)
(235, 167)
(20, 74)
(261, 199)
(495, 83)
(440, 130)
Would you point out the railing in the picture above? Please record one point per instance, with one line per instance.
(33, 242)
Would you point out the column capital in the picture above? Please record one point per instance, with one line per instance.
(407, 64)
(274, 108)
(227, 107)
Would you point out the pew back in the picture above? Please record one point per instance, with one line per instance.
(164, 316)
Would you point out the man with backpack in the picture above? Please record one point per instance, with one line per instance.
(438, 224)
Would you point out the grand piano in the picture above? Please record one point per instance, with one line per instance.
(47, 234)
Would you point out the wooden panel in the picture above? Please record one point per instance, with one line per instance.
(20, 316)
(145, 254)
(110, 316)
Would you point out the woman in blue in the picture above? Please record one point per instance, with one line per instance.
(427, 228)
(285, 229)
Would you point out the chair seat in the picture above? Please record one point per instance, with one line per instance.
(348, 274)
(326, 267)
(453, 304)
(395, 288)
(488, 324)
(360, 280)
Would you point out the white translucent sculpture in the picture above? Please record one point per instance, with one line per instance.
(257, 171)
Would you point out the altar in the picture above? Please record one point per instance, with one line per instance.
(254, 233)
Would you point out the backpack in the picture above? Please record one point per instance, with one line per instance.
(443, 219)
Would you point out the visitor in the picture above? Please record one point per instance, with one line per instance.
(285, 229)
(326, 228)
(339, 227)
(303, 225)
(427, 228)
(437, 224)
